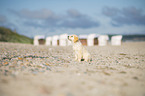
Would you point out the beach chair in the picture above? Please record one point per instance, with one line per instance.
(103, 40)
(92, 40)
(37, 40)
(116, 40)
(83, 39)
(48, 41)
(55, 40)
(63, 40)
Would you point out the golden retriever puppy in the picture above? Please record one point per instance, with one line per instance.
(79, 50)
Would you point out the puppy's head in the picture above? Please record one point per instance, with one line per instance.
(73, 38)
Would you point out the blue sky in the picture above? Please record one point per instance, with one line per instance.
(51, 17)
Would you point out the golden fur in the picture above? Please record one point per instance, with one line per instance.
(75, 39)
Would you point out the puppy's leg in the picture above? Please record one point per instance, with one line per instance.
(87, 58)
(76, 57)
(79, 56)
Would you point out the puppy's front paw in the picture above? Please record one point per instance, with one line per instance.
(76, 59)
(79, 60)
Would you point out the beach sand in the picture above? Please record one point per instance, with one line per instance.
(28, 70)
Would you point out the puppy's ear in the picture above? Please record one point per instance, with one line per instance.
(76, 39)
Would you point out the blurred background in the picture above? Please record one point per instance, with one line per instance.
(55, 17)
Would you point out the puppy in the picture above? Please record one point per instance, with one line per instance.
(79, 50)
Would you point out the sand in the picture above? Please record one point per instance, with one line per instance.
(28, 70)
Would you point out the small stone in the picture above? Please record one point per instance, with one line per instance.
(47, 64)
(6, 63)
(20, 58)
(48, 68)
(106, 73)
(123, 72)
(136, 78)
(116, 61)
(38, 66)
(122, 54)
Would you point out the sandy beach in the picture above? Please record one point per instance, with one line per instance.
(28, 70)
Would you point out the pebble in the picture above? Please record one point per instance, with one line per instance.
(48, 68)
(136, 78)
